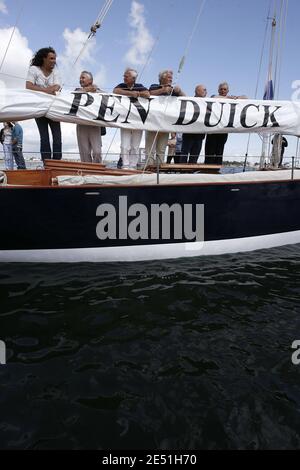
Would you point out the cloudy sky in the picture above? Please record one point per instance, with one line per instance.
(151, 35)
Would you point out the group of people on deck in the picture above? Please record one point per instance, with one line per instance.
(157, 142)
(42, 76)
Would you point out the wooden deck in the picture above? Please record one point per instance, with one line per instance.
(185, 168)
(54, 168)
(79, 168)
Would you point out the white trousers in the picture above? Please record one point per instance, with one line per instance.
(130, 145)
(8, 156)
(89, 143)
(156, 148)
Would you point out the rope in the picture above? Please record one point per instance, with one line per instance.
(283, 27)
(139, 75)
(267, 137)
(188, 46)
(180, 67)
(102, 14)
(297, 149)
(3, 178)
(258, 78)
(12, 34)
(97, 24)
(278, 46)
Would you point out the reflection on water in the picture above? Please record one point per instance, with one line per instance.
(183, 354)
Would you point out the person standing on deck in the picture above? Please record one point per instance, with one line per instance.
(279, 143)
(17, 146)
(89, 137)
(42, 76)
(130, 138)
(192, 143)
(215, 143)
(156, 142)
(6, 141)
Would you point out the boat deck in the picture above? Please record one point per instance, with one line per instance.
(185, 168)
(53, 169)
(65, 173)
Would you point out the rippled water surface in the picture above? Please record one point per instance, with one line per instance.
(190, 354)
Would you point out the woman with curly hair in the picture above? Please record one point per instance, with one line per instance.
(42, 76)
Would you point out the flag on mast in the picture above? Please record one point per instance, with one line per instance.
(269, 90)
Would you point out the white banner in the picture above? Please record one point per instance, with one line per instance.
(165, 114)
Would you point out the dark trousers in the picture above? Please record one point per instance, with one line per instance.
(18, 156)
(43, 124)
(214, 148)
(191, 146)
(177, 158)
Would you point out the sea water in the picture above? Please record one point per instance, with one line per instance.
(179, 354)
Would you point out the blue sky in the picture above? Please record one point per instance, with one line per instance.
(226, 46)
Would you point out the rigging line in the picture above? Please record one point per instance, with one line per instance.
(12, 76)
(188, 46)
(181, 65)
(297, 149)
(99, 20)
(102, 14)
(267, 137)
(279, 36)
(272, 43)
(259, 69)
(12, 34)
(157, 39)
(139, 75)
(111, 143)
(282, 47)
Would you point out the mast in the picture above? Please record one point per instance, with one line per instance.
(269, 91)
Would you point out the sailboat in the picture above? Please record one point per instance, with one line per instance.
(89, 213)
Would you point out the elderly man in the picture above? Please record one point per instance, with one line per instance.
(192, 143)
(215, 143)
(156, 142)
(89, 137)
(130, 138)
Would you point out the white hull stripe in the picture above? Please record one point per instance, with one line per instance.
(150, 252)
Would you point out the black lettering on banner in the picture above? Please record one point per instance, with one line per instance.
(232, 114)
(77, 103)
(208, 114)
(270, 116)
(142, 111)
(183, 107)
(104, 107)
(244, 116)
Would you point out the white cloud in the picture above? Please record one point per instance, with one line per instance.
(14, 72)
(14, 69)
(140, 38)
(70, 71)
(3, 8)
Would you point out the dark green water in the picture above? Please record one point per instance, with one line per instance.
(184, 354)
